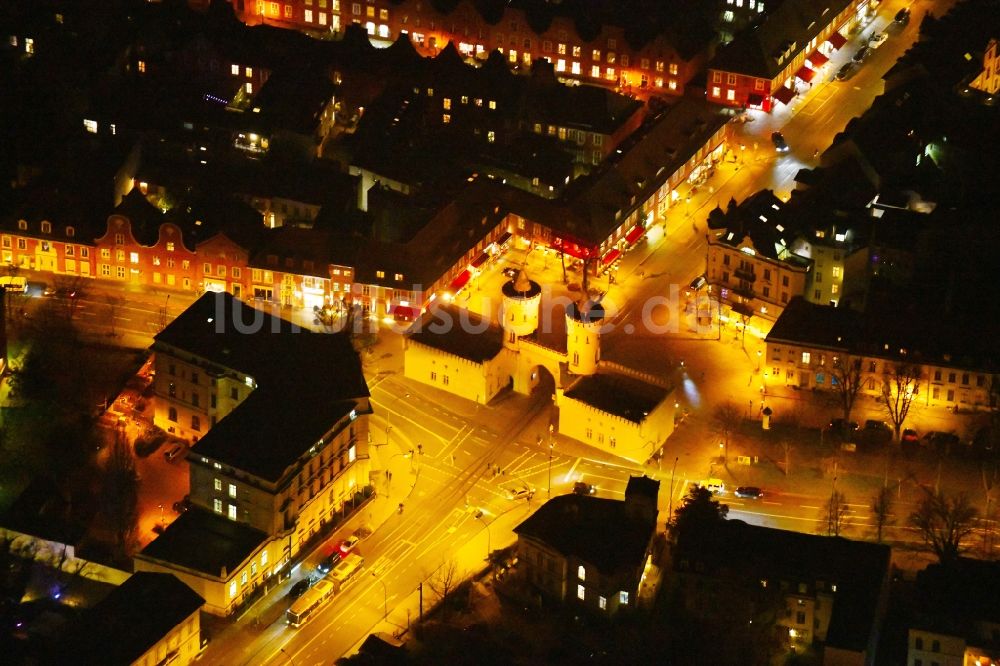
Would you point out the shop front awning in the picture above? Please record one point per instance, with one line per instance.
(837, 41)
(754, 100)
(817, 59)
(805, 74)
(572, 249)
(461, 280)
(480, 260)
(634, 235)
(610, 256)
(784, 95)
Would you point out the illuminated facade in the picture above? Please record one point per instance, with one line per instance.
(988, 81)
(42, 245)
(608, 58)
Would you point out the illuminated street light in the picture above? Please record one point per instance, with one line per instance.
(758, 359)
(388, 413)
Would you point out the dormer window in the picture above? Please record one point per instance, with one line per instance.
(380, 274)
(581, 572)
(399, 277)
(46, 227)
(22, 225)
(70, 231)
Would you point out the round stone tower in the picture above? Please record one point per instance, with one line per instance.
(519, 314)
(583, 336)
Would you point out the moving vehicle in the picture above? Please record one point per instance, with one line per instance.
(902, 16)
(714, 486)
(698, 282)
(749, 492)
(584, 488)
(318, 594)
(174, 451)
(845, 71)
(344, 572)
(520, 493)
(182, 505)
(878, 39)
(778, 139)
(309, 602)
(860, 56)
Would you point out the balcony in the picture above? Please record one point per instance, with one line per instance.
(745, 274)
(744, 290)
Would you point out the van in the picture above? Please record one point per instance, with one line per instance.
(714, 486)
(173, 452)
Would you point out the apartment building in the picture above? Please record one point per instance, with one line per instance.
(809, 340)
(280, 442)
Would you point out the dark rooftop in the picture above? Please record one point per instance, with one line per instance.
(458, 332)
(957, 595)
(596, 530)
(305, 382)
(130, 620)
(814, 324)
(623, 396)
(41, 510)
(202, 541)
(857, 569)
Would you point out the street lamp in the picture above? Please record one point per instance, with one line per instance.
(287, 656)
(385, 598)
(479, 517)
(758, 360)
(670, 504)
(551, 445)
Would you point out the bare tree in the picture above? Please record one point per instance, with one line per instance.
(990, 478)
(899, 389)
(120, 496)
(881, 507)
(836, 511)
(443, 583)
(944, 523)
(726, 418)
(845, 375)
(786, 450)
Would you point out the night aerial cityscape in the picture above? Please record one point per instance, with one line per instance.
(514, 332)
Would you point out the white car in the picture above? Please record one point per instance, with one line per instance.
(714, 486)
(520, 493)
(878, 39)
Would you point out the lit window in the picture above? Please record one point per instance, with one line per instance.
(243, 579)
(595, 55)
(595, 71)
(491, 136)
(672, 85)
(218, 484)
(235, 70)
(170, 246)
(249, 88)
(580, 592)
(142, 66)
(731, 95)
(263, 559)
(805, 357)
(248, 71)
(446, 102)
(581, 572)
(577, 51)
(716, 91)
(217, 505)
(659, 65)
(446, 118)
(658, 82)
(232, 490)
(232, 513)
(309, 16)
(623, 598)
(352, 454)
(602, 602)
(232, 590)
(673, 69)
(133, 257)
(90, 126)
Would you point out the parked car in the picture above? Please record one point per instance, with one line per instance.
(173, 452)
(902, 16)
(878, 39)
(910, 436)
(862, 53)
(749, 492)
(520, 493)
(845, 71)
(943, 442)
(327, 564)
(876, 432)
(348, 544)
(698, 282)
(584, 488)
(182, 505)
(299, 589)
(778, 139)
(842, 428)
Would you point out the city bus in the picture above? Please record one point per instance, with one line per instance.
(308, 603)
(16, 283)
(344, 572)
